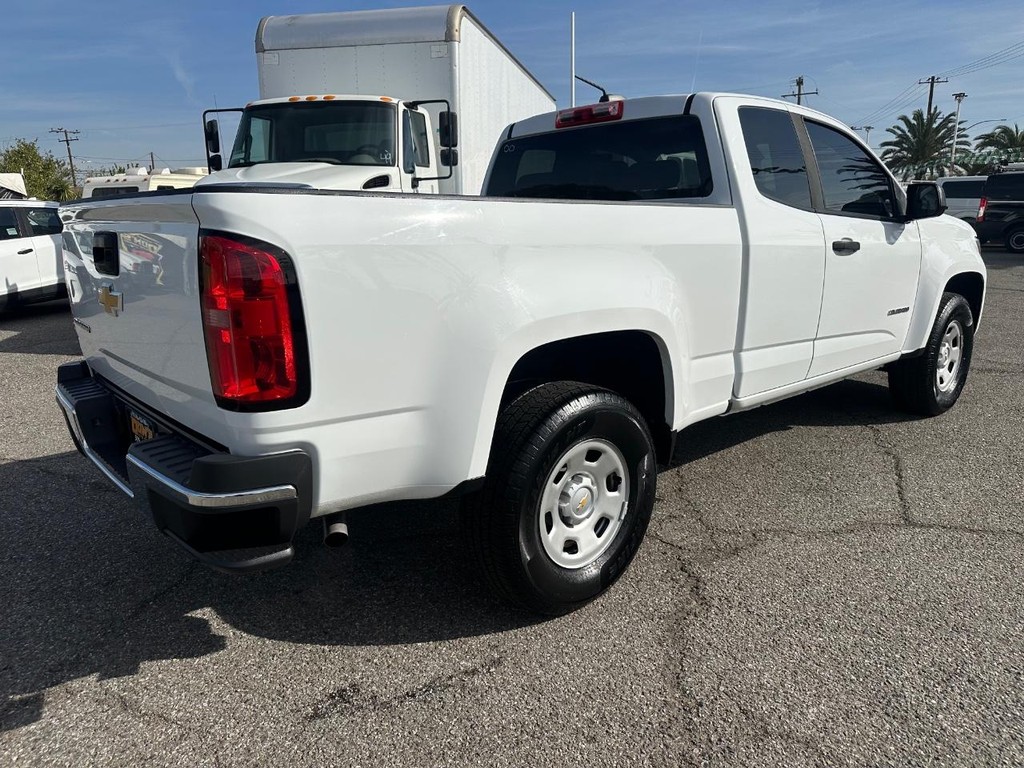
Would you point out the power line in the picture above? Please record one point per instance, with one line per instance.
(67, 141)
(999, 57)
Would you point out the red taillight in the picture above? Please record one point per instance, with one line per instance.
(981, 209)
(592, 113)
(250, 341)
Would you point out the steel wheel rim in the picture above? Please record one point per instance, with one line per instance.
(950, 357)
(1017, 240)
(584, 503)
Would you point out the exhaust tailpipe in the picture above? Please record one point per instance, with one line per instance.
(336, 530)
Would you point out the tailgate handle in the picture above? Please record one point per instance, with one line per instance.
(104, 253)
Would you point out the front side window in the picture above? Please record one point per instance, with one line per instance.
(662, 158)
(775, 156)
(336, 132)
(44, 221)
(853, 183)
(420, 139)
(8, 224)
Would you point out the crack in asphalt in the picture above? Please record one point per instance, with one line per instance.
(350, 698)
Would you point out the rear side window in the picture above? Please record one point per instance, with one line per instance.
(1005, 186)
(44, 221)
(964, 189)
(661, 158)
(8, 224)
(776, 159)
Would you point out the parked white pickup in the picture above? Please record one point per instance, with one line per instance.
(633, 267)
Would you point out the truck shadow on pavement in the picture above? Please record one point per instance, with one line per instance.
(41, 329)
(91, 588)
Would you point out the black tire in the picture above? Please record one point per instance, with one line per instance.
(1015, 240)
(503, 520)
(914, 382)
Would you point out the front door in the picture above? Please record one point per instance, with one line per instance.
(45, 226)
(872, 260)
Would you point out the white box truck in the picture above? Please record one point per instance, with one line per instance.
(366, 99)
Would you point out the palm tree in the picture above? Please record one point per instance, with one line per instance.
(921, 145)
(1006, 142)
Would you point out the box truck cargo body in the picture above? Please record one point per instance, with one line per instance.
(408, 54)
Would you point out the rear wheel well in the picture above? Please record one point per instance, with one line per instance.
(971, 286)
(630, 363)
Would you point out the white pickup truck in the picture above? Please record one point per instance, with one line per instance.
(632, 267)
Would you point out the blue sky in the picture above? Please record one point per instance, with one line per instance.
(134, 77)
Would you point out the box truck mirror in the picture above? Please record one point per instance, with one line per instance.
(449, 157)
(448, 128)
(212, 137)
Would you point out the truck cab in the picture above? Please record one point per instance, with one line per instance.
(336, 142)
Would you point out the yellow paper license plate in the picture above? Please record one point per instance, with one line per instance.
(142, 428)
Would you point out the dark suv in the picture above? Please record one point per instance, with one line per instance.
(1001, 212)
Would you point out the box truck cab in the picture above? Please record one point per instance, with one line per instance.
(361, 98)
(334, 141)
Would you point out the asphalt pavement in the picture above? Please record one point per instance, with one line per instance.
(825, 582)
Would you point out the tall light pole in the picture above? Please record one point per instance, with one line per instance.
(982, 122)
(572, 59)
(956, 129)
(867, 132)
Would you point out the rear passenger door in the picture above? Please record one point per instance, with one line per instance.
(872, 259)
(17, 254)
(785, 258)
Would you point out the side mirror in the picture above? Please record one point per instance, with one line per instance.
(448, 129)
(449, 157)
(925, 200)
(212, 131)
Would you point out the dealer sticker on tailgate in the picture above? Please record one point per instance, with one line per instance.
(142, 428)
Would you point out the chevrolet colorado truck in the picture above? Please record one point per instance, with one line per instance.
(632, 267)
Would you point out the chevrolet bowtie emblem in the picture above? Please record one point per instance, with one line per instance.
(582, 504)
(111, 301)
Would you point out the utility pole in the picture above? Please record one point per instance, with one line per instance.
(67, 140)
(931, 81)
(152, 163)
(572, 59)
(800, 92)
(956, 129)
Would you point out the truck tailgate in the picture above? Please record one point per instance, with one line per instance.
(138, 315)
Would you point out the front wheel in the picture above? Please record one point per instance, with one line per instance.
(931, 383)
(568, 496)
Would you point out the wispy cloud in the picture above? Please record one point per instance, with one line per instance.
(182, 75)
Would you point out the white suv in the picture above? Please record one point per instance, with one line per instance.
(31, 257)
(963, 193)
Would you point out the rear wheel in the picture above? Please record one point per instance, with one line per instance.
(931, 383)
(1015, 240)
(568, 496)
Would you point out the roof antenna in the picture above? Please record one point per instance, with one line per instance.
(605, 96)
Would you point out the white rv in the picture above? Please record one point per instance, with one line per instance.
(400, 100)
(141, 180)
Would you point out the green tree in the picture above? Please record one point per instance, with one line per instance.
(46, 177)
(1004, 141)
(920, 146)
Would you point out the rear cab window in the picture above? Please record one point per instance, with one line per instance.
(8, 224)
(660, 158)
(776, 159)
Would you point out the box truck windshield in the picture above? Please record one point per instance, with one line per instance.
(337, 132)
